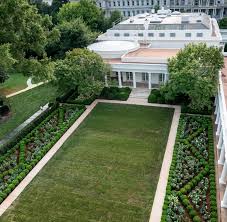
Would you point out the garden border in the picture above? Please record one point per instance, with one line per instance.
(160, 192)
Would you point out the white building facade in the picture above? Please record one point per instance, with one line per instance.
(138, 48)
(214, 8)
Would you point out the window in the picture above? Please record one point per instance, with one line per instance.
(114, 3)
(128, 13)
(126, 34)
(124, 13)
(160, 77)
(140, 34)
(116, 34)
(164, 2)
(133, 13)
(138, 12)
(128, 3)
(161, 34)
(142, 11)
(188, 34)
(118, 3)
(132, 2)
(172, 34)
(151, 34)
(147, 2)
(142, 2)
(138, 3)
(129, 76)
(123, 3)
(200, 34)
(100, 4)
(144, 76)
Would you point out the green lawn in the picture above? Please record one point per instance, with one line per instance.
(16, 82)
(107, 171)
(26, 104)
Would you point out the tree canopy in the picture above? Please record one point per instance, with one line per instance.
(193, 73)
(73, 34)
(223, 23)
(83, 69)
(87, 11)
(25, 31)
(6, 61)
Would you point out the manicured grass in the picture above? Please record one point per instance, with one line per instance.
(107, 171)
(14, 83)
(26, 104)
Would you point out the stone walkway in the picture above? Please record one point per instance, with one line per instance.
(23, 125)
(160, 191)
(29, 86)
(139, 94)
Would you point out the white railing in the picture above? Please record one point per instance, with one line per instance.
(221, 132)
(222, 112)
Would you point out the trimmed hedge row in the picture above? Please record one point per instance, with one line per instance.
(21, 169)
(156, 97)
(115, 93)
(208, 171)
(12, 142)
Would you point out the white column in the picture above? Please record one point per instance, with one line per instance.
(220, 141)
(222, 179)
(149, 80)
(134, 80)
(219, 128)
(119, 79)
(222, 155)
(106, 82)
(217, 117)
(216, 105)
(224, 200)
(164, 77)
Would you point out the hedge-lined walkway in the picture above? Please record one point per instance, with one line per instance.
(107, 171)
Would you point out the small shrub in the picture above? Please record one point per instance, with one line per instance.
(196, 219)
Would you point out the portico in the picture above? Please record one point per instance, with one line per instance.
(139, 79)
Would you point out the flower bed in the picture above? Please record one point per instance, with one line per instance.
(16, 163)
(191, 188)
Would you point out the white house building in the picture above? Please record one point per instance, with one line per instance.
(138, 48)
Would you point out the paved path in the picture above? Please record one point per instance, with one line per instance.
(23, 125)
(29, 86)
(140, 93)
(160, 192)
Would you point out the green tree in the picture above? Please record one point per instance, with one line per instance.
(43, 7)
(73, 34)
(193, 73)
(115, 17)
(87, 11)
(156, 8)
(223, 23)
(6, 62)
(83, 69)
(26, 31)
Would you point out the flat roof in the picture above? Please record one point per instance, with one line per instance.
(150, 52)
(147, 53)
(108, 46)
(168, 21)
